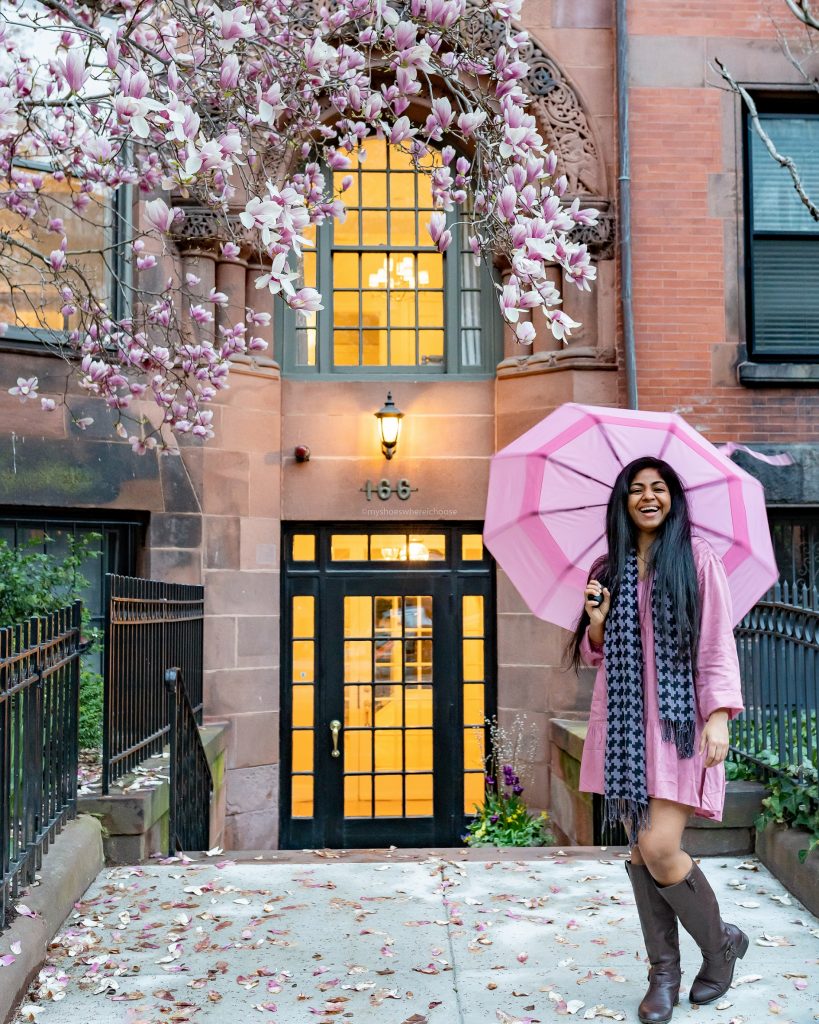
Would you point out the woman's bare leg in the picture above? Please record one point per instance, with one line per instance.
(659, 845)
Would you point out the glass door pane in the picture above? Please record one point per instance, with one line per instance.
(387, 748)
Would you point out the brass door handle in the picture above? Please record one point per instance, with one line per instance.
(335, 725)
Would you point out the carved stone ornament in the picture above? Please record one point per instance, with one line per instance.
(600, 238)
(204, 230)
(555, 104)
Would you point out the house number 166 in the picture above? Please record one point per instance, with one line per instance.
(383, 489)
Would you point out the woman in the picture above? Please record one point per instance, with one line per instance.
(656, 624)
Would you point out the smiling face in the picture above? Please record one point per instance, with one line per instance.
(649, 501)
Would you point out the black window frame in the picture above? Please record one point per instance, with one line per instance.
(785, 104)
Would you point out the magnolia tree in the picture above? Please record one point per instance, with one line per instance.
(249, 110)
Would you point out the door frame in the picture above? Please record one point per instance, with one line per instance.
(447, 581)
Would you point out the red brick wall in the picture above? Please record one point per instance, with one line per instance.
(687, 216)
(737, 18)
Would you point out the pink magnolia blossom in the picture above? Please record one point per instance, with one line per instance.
(235, 24)
(200, 315)
(137, 108)
(159, 215)
(562, 325)
(436, 226)
(229, 72)
(74, 68)
(307, 299)
(26, 388)
(8, 112)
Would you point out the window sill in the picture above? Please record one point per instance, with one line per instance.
(778, 374)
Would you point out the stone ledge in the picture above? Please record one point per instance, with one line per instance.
(569, 735)
(586, 358)
(72, 863)
(778, 374)
(778, 848)
(136, 821)
(743, 802)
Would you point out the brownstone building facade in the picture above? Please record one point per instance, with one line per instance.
(344, 617)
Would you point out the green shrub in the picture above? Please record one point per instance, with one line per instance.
(35, 583)
(793, 800)
(90, 725)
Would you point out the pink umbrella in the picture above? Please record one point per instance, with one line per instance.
(548, 490)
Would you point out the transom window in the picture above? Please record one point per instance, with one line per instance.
(392, 302)
(783, 238)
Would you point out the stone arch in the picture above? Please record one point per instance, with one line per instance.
(556, 105)
(562, 120)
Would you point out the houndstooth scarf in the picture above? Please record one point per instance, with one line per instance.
(626, 795)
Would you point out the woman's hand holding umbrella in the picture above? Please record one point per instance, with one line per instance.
(598, 602)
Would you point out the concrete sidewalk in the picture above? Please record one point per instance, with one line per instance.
(403, 937)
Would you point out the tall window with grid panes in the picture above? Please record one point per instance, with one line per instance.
(392, 303)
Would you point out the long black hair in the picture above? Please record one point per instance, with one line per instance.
(670, 557)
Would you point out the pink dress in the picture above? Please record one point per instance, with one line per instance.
(717, 685)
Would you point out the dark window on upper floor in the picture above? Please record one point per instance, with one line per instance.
(782, 239)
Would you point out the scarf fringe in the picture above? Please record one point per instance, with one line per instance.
(633, 812)
(679, 733)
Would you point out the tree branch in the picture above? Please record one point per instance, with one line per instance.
(801, 9)
(783, 161)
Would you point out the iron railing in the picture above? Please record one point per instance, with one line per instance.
(191, 782)
(149, 627)
(778, 647)
(39, 706)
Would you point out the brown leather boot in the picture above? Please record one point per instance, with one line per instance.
(659, 924)
(696, 906)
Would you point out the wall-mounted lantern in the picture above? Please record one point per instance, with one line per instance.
(389, 424)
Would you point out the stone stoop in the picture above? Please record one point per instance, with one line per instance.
(135, 821)
(572, 812)
(735, 833)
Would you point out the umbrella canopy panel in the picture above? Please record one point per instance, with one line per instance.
(548, 492)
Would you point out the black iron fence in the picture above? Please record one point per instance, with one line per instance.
(149, 627)
(191, 783)
(778, 646)
(39, 704)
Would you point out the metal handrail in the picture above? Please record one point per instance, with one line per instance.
(191, 782)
